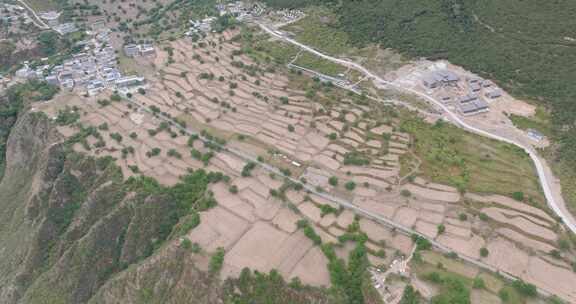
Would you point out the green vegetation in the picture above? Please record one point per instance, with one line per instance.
(348, 279)
(332, 136)
(16, 98)
(153, 152)
(217, 260)
(521, 44)
(525, 289)
(247, 170)
(48, 42)
(421, 243)
(327, 209)
(540, 122)
(410, 296)
(116, 136)
(355, 159)
(257, 287)
(67, 116)
(471, 162)
(309, 232)
(453, 288)
(441, 228)
(350, 186)
(320, 30)
(478, 283)
(333, 181)
(313, 62)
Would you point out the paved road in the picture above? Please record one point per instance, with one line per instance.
(546, 179)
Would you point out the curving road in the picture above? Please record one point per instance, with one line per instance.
(545, 180)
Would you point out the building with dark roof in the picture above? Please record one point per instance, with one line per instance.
(493, 94)
(437, 78)
(472, 107)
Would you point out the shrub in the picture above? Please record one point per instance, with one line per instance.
(233, 189)
(103, 102)
(519, 196)
(153, 152)
(441, 228)
(116, 136)
(484, 252)
(247, 170)
(478, 283)
(524, 288)
(186, 244)
(333, 181)
(332, 136)
(350, 185)
(355, 159)
(504, 295)
(174, 153)
(115, 97)
(555, 254)
(217, 260)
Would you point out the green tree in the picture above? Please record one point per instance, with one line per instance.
(48, 42)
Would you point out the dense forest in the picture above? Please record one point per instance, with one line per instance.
(527, 46)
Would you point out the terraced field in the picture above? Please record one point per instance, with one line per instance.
(339, 143)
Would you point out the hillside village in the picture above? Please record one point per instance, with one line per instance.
(314, 170)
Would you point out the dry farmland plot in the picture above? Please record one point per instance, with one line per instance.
(337, 143)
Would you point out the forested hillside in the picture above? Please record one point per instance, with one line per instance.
(527, 46)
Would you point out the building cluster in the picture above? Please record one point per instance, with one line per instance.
(91, 71)
(288, 15)
(476, 90)
(137, 50)
(52, 18)
(198, 27)
(240, 10)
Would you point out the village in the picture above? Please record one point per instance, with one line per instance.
(352, 150)
(348, 150)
